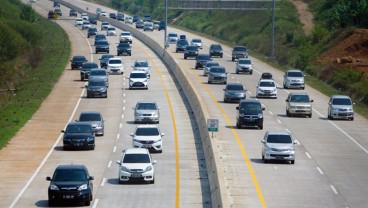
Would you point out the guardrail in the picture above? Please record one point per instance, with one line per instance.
(213, 163)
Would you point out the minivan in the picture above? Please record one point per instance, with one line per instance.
(250, 114)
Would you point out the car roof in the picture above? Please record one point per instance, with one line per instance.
(74, 123)
(234, 83)
(249, 101)
(89, 112)
(138, 72)
(98, 69)
(147, 126)
(244, 59)
(71, 166)
(136, 151)
(340, 96)
(139, 102)
(294, 70)
(278, 132)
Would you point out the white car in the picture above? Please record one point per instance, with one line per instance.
(197, 42)
(172, 37)
(138, 79)
(136, 164)
(103, 13)
(105, 25)
(149, 137)
(266, 88)
(115, 66)
(126, 36)
(86, 24)
(111, 31)
(84, 16)
(78, 22)
(128, 20)
(142, 65)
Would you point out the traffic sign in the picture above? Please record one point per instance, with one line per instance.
(212, 124)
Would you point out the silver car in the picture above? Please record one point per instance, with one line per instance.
(278, 145)
(244, 65)
(95, 119)
(298, 103)
(340, 107)
(98, 72)
(142, 65)
(208, 65)
(294, 78)
(146, 112)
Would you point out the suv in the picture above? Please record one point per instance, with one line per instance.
(100, 37)
(86, 69)
(294, 78)
(341, 107)
(115, 66)
(77, 61)
(249, 113)
(298, 103)
(124, 49)
(217, 74)
(162, 25)
(190, 51)
(97, 87)
(234, 92)
(244, 65)
(70, 183)
(201, 60)
(266, 88)
(278, 145)
(239, 52)
(146, 111)
(95, 119)
(102, 46)
(136, 164)
(216, 50)
(181, 45)
(78, 135)
(148, 136)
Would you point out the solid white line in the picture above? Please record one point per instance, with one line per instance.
(109, 164)
(122, 116)
(320, 170)
(95, 203)
(103, 181)
(117, 136)
(270, 112)
(114, 149)
(308, 155)
(334, 189)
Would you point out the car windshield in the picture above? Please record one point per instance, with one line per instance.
(217, 70)
(90, 117)
(146, 106)
(235, 87)
(115, 61)
(136, 158)
(203, 57)
(147, 132)
(124, 45)
(196, 40)
(341, 101)
(105, 23)
(279, 138)
(240, 49)
(209, 64)
(182, 42)
(79, 58)
(250, 108)
(173, 35)
(216, 47)
(106, 57)
(100, 37)
(299, 98)
(92, 29)
(111, 28)
(98, 73)
(78, 129)
(244, 61)
(97, 83)
(125, 34)
(70, 175)
(192, 48)
(266, 84)
(89, 66)
(138, 75)
(102, 43)
(141, 64)
(295, 74)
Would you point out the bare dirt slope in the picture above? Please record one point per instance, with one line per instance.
(305, 16)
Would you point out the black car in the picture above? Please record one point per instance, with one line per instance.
(201, 60)
(72, 13)
(96, 87)
(93, 20)
(124, 49)
(70, 183)
(78, 135)
(92, 31)
(239, 52)
(99, 37)
(102, 46)
(86, 69)
(104, 59)
(250, 113)
(216, 50)
(181, 45)
(77, 61)
(120, 17)
(112, 15)
(56, 4)
(162, 25)
(136, 18)
(234, 92)
(50, 15)
(266, 75)
(139, 24)
(191, 51)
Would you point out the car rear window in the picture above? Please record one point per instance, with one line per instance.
(136, 158)
(278, 138)
(90, 117)
(266, 84)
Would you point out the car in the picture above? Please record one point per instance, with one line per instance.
(181, 45)
(136, 18)
(138, 80)
(244, 65)
(84, 16)
(191, 51)
(96, 87)
(266, 75)
(70, 183)
(95, 119)
(92, 31)
(72, 13)
(105, 59)
(99, 72)
(78, 135)
(298, 103)
(93, 20)
(86, 24)
(112, 15)
(201, 60)
(86, 69)
(239, 52)
(50, 15)
(115, 65)
(58, 12)
(32, 1)
(217, 74)
(148, 26)
(146, 112)
(128, 20)
(139, 24)
(125, 36)
(340, 107)
(124, 49)
(78, 22)
(234, 92)
(197, 42)
(98, 11)
(147, 18)
(100, 37)
(216, 50)
(266, 88)
(294, 78)
(156, 25)
(56, 4)
(136, 164)
(142, 65)
(249, 114)
(182, 37)
(105, 25)
(111, 31)
(208, 65)
(148, 136)
(103, 14)
(162, 26)
(172, 37)
(102, 46)
(120, 16)
(278, 145)
(77, 61)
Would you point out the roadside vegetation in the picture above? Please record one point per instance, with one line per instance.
(33, 54)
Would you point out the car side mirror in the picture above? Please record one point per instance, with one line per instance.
(295, 142)
(237, 108)
(263, 141)
(287, 100)
(131, 134)
(76, 120)
(48, 178)
(311, 101)
(154, 162)
(85, 86)
(162, 134)
(91, 178)
(263, 108)
(63, 131)
(118, 162)
(224, 89)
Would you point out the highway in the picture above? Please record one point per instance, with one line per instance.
(331, 156)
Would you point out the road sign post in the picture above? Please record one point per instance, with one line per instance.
(212, 125)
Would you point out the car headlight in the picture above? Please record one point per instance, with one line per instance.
(136, 140)
(149, 168)
(123, 168)
(267, 148)
(83, 187)
(274, 90)
(54, 187)
(260, 116)
(292, 149)
(241, 115)
(90, 139)
(103, 89)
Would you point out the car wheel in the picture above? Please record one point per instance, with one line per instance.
(251, 72)
(238, 125)
(52, 203)
(82, 79)
(209, 82)
(287, 113)
(237, 71)
(303, 88)
(232, 59)
(285, 86)
(87, 203)
(265, 161)
(221, 56)
(352, 119)
(153, 181)
(260, 126)
(185, 57)
(225, 100)
(310, 115)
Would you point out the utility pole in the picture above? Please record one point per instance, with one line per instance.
(272, 55)
(165, 34)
